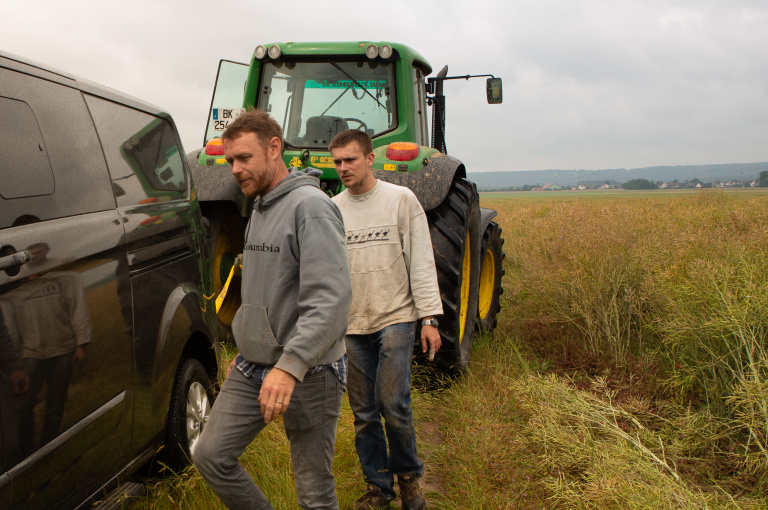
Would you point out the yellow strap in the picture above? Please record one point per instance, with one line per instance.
(223, 293)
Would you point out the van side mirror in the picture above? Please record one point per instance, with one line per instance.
(493, 90)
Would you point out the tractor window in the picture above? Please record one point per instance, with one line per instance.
(315, 100)
(420, 110)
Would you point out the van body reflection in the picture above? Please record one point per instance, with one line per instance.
(54, 331)
(106, 320)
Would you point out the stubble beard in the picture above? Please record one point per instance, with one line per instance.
(257, 185)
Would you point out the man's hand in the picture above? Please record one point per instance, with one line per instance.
(238, 265)
(230, 367)
(19, 381)
(81, 356)
(276, 391)
(430, 341)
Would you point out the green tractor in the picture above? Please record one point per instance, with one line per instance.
(315, 90)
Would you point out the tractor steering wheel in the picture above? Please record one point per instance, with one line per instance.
(362, 127)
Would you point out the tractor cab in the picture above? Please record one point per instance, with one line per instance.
(315, 90)
(315, 93)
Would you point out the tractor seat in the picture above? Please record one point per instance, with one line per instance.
(323, 128)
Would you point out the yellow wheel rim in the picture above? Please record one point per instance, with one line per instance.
(487, 281)
(223, 259)
(465, 277)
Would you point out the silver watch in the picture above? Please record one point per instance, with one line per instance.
(430, 322)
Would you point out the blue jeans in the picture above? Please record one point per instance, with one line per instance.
(380, 386)
(310, 424)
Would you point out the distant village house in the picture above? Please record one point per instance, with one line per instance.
(548, 187)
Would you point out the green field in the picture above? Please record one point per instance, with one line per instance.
(629, 368)
(608, 194)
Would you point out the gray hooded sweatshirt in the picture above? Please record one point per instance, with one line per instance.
(296, 289)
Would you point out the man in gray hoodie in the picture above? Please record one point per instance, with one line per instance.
(290, 329)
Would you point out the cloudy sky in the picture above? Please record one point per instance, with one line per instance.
(588, 84)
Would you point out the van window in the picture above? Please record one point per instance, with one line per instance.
(142, 151)
(51, 164)
(26, 169)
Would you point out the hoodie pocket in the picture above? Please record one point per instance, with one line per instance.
(253, 335)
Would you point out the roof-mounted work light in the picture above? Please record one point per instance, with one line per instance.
(260, 52)
(274, 51)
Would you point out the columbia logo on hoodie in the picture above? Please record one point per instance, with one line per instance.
(262, 247)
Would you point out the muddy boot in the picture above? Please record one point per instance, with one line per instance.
(410, 493)
(372, 500)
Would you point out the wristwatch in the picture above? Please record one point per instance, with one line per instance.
(430, 322)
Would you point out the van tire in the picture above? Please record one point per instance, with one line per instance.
(191, 401)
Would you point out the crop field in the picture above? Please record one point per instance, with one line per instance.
(629, 368)
(499, 197)
(645, 318)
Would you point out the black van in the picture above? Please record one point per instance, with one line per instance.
(108, 344)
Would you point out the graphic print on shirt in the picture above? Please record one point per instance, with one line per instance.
(368, 234)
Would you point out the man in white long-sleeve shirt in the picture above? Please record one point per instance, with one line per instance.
(394, 283)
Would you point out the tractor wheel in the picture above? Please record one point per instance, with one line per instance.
(227, 236)
(489, 305)
(454, 228)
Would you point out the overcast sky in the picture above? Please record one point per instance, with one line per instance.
(588, 84)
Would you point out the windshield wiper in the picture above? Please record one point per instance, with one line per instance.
(334, 64)
(335, 101)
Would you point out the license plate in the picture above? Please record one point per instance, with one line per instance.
(222, 117)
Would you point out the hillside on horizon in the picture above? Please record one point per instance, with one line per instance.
(705, 173)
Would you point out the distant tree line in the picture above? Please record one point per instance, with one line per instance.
(645, 184)
(639, 184)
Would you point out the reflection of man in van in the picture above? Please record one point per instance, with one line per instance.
(14, 382)
(54, 330)
(11, 368)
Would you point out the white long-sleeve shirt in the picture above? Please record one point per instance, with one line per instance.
(52, 314)
(390, 258)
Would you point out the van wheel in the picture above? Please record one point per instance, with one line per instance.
(191, 402)
(489, 300)
(454, 229)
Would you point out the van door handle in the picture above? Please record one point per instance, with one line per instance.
(16, 259)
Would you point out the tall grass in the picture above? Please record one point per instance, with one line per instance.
(716, 339)
(628, 369)
(672, 285)
(578, 265)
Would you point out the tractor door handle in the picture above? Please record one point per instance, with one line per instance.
(15, 259)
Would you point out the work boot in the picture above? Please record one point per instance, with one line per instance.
(410, 493)
(372, 500)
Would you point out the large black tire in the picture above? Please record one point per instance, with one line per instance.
(191, 401)
(227, 235)
(454, 227)
(489, 294)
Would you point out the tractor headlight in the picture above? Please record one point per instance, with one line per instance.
(371, 51)
(259, 52)
(274, 51)
(385, 51)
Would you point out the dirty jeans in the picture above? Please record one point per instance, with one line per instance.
(380, 386)
(310, 424)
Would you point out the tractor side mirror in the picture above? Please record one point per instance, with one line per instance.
(493, 90)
